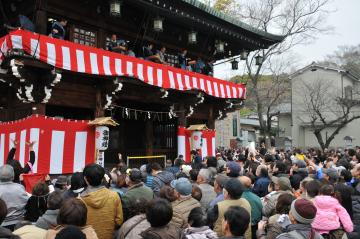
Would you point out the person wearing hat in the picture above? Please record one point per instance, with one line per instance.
(61, 183)
(330, 174)
(136, 190)
(262, 181)
(281, 185)
(302, 214)
(232, 197)
(233, 169)
(185, 202)
(219, 184)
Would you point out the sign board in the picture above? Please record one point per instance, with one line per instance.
(102, 134)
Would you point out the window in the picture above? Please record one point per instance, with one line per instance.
(84, 36)
(235, 126)
(348, 92)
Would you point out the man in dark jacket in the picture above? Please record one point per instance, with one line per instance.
(18, 169)
(161, 178)
(299, 172)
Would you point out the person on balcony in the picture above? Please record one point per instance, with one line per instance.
(58, 29)
(116, 45)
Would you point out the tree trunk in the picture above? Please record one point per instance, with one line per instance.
(320, 140)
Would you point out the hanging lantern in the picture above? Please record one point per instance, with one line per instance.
(220, 47)
(243, 55)
(158, 24)
(259, 60)
(234, 65)
(115, 8)
(192, 37)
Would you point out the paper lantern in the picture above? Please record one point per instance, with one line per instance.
(158, 24)
(102, 137)
(115, 8)
(196, 140)
(192, 37)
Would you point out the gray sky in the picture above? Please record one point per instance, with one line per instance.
(346, 23)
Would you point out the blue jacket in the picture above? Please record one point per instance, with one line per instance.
(261, 186)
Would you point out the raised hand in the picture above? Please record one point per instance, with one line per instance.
(31, 144)
(15, 142)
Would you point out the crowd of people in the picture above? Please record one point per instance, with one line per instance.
(239, 193)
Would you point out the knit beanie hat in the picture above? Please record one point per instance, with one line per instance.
(303, 211)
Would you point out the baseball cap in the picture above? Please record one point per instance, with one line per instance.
(233, 167)
(135, 175)
(182, 186)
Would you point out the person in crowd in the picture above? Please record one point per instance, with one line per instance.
(219, 185)
(5, 232)
(262, 181)
(302, 214)
(232, 169)
(196, 192)
(232, 197)
(281, 185)
(236, 223)
(255, 203)
(207, 191)
(70, 232)
(279, 169)
(161, 54)
(171, 196)
(36, 205)
(101, 201)
(18, 169)
(161, 178)
(61, 183)
(298, 173)
(331, 175)
(182, 59)
(27, 230)
(355, 208)
(136, 190)
(193, 175)
(14, 195)
(184, 202)
(175, 169)
(148, 52)
(130, 51)
(116, 45)
(73, 212)
(330, 214)
(149, 177)
(197, 226)
(58, 29)
(211, 165)
(312, 189)
(120, 185)
(343, 194)
(137, 223)
(159, 213)
(78, 185)
(49, 219)
(208, 69)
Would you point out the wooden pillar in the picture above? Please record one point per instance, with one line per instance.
(99, 109)
(211, 120)
(181, 116)
(41, 17)
(149, 137)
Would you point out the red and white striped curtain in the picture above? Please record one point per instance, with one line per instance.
(184, 143)
(63, 146)
(84, 59)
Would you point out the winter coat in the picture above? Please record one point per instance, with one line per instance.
(161, 179)
(133, 227)
(301, 229)
(87, 230)
(270, 203)
(356, 217)
(18, 169)
(329, 215)
(200, 233)
(208, 194)
(15, 197)
(104, 210)
(256, 206)
(166, 232)
(181, 209)
(6, 233)
(30, 232)
(261, 186)
(35, 207)
(48, 220)
(135, 192)
(297, 177)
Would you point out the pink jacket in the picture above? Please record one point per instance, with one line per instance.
(329, 214)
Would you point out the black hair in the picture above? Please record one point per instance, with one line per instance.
(70, 232)
(234, 188)
(55, 200)
(77, 181)
(343, 194)
(346, 175)
(241, 158)
(284, 203)
(155, 166)
(281, 166)
(137, 206)
(312, 188)
(159, 213)
(327, 190)
(196, 193)
(94, 174)
(72, 212)
(181, 175)
(178, 162)
(193, 174)
(211, 162)
(238, 219)
(264, 172)
(197, 217)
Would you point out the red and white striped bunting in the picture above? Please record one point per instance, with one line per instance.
(84, 59)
